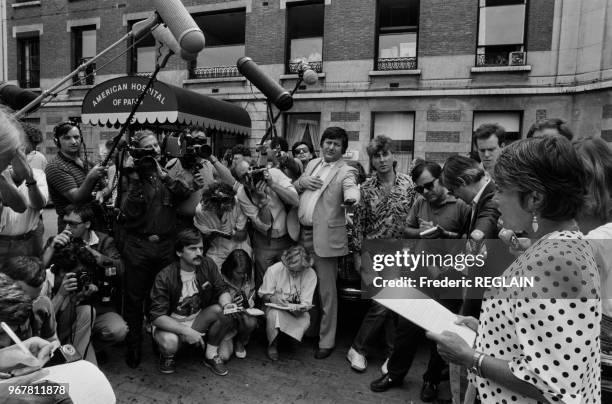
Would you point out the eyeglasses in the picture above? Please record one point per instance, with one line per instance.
(301, 151)
(421, 188)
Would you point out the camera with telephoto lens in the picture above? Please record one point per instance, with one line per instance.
(188, 149)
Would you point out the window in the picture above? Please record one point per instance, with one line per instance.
(142, 55)
(509, 120)
(28, 60)
(224, 33)
(303, 127)
(399, 126)
(501, 33)
(305, 36)
(398, 24)
(84, 45)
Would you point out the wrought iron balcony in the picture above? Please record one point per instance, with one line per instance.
(316, 66)
(397, 63)
(213, 72)
(500, 59)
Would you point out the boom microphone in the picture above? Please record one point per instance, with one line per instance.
(187, 33)
(162, 34)
(270, 88)
(15, 97)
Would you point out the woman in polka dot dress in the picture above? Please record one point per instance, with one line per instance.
(541, 343)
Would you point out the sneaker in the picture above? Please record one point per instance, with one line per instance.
(216, 365)
(167, 364)
(357, 360)
(239, 350)
(383, 368)
(429, 392)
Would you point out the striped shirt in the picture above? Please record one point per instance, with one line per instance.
(63, 175)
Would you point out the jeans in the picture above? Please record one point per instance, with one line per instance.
(108, 329)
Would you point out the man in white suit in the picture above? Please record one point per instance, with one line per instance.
(327, 188)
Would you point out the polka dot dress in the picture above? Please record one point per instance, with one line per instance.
(549, 333)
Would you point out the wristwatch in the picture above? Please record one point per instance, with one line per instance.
(477, 359)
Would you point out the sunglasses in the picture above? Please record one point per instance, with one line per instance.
(421, 188)
(301, 151)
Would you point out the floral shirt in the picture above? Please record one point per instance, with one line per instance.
(381, 216)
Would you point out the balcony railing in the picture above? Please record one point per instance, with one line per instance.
(85, 77)
(213, 72)
(500, 59)
(316, 66)
(397, 63)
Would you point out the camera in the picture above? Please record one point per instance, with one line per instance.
(64, 354)
(256, 175)
(75, 257)
(139, 153)
(188, 149)
(106, 287)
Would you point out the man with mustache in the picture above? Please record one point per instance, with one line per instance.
(187, 305)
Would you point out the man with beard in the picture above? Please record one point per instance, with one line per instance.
(444, 217)
(187, 305)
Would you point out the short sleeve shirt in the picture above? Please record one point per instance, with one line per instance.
(549, 341)
(63, 175)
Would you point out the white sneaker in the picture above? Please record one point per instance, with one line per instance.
(383, 368)
(357, 360)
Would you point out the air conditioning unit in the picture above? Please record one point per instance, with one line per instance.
(516, 59)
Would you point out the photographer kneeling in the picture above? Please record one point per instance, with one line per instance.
(69, 285)
(191, 303)
(109, 327)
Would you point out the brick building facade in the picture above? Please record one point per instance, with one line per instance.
(424, 72)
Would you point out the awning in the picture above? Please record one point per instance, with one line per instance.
(110, 103)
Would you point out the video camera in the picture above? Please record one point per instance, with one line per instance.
(188, 149)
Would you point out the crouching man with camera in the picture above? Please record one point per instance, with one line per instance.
(109, 327)
(191, 304)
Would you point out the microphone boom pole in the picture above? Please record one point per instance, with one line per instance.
(149, 24)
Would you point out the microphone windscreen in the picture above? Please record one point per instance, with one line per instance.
(270, 88)
(187, 33)
(310, 77)
(162, 34)
(15, 97)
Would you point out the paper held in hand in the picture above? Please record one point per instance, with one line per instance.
(426, 313)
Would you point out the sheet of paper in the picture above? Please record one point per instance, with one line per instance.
(88, 385)
(426, 313)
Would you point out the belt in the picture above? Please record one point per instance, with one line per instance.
(24, 236)
(306, 227)
(153, 238)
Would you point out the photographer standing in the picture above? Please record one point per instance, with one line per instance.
(70, 179)
(149, 213)
(109, 327)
